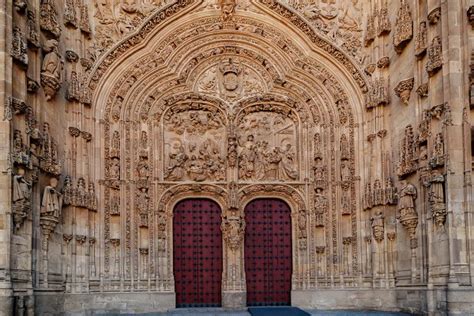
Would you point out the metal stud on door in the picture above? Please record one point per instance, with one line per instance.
(197, 253)
(268, 255)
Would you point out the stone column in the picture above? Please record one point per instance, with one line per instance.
(6, 299)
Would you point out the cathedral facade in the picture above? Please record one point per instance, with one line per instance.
(159, 154)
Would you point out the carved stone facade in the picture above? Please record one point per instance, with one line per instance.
(115, 111)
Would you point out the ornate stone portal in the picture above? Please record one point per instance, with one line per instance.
(145, 103)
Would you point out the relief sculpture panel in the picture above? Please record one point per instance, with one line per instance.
(267, 147)
(195, 145)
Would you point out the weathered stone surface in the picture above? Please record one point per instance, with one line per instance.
(131, 106)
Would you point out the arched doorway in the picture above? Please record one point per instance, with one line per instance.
(197, 253)
(268, 252)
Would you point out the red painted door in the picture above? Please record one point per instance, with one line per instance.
(197, 253)
(268, 255)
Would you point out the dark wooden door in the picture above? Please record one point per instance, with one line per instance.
(268, 254)
(197, 253)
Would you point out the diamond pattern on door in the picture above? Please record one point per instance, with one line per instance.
(268, 253)
(197, 253)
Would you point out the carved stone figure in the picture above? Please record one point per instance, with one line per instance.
(435, 56)
(51, 69)
(227, 9)
(19, 47)
(92, 203)
(68, 192)
(438, 156)
(19, 153)
(403, 27)
(407, 212)
(51, 205)
(437, 199)
(233, 229)
(302, 229)
(49, 18)
(81, 193)
(320, 173)
(407, 163)
(143, 206)
(21, 198)
(378, 228)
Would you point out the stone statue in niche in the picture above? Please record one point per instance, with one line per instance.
(68, 192)
(70, 13)
(437, 199)
(438, 156)
(52, 201)
(302, 229)
(143, 206)
(345, 171)
(114, 168)
(19, 47)
(320, 206)
(21, 198)
(390, 196)
(81, 193)
(92, 203)
(378, 229)
(407, 212)
(143, 169)
(320, 173)
(346, 208)
(51, 69)
(19, 153)
(266, 147)
(233, 229)
(403, 27)
(198, 139)
(49, 18)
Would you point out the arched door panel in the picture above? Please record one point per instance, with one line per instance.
(268, 253)
(197, 253)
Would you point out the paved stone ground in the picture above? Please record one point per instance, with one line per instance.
(220, 312)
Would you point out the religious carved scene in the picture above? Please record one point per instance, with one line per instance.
(195, 149)
(267, 147)
(294, 122)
